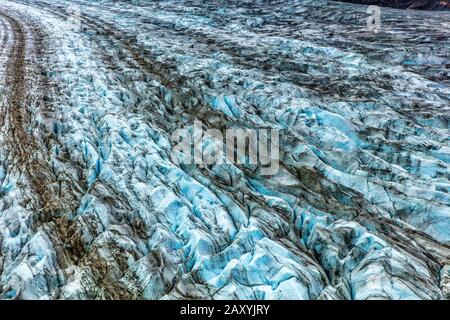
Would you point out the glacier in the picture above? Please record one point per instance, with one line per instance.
(93, 204)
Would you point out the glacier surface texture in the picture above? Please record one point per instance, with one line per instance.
(94, 205)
